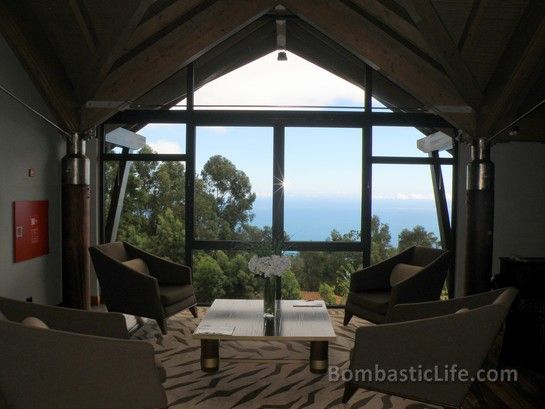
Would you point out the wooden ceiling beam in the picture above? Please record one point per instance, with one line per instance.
(160, 21)
(41, 65)
(108, 53)
(84, 26)
(429, 23)
(420, 79)
(110, 48)
(517, 71)
(175, 50)
(398, 24)
(471, 28)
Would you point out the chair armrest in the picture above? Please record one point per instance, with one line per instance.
(377, 276)
(44, 368)
(166, 271)
(169, 272)
(415, 311)
(67, 319)
(462, 340)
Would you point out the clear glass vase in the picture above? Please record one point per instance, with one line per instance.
(269, 297)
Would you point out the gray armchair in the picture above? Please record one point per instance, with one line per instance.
(84, 360)
(135, 282)
(414, 275)
(457, 333)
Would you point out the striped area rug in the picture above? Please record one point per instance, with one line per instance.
(257, 375)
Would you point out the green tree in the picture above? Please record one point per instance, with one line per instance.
(380, 241)
(232, 192)
(327, 294)
(290, 286)
(208, 279)
(342, 283)
(418, 236)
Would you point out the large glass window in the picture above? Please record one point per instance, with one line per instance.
(403, 207)
(152, 216)
(396, 141)
(233, 186)
(322, 184)
(321, 204)
(153, 138)
(270, 84)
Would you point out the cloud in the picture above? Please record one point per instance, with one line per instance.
(266, 81)
(214, 129)
(164, 146)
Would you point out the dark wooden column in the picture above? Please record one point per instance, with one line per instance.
(75, 224)
(480, 219)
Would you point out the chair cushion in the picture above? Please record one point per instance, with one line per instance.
(171, 294)
(3, 317)
(34, 322)
(401, 272)
(137, 264)
(376, 300)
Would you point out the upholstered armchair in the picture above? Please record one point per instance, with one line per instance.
(135, 282)
(414, 275)
(453, 334)
(78, 359)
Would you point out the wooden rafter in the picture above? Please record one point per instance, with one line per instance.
(175, 50)
(393, 60)
(517, 71)
(84, 25)
(108, 53)
(42, 67)
(109, 48)
(396, 23)
(429, 23)
(471, 28)
(160, 21)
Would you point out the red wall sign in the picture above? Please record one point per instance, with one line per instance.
(30, 229)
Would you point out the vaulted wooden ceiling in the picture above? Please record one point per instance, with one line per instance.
(474, 62)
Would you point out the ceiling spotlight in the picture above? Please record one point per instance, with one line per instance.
(281, 39)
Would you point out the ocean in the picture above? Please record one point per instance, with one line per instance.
(313, 219)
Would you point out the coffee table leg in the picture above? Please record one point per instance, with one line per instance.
(210, 356)
(318, 356)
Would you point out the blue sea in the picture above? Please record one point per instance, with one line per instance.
(313, 219)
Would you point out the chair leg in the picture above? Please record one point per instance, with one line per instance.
(194, 311)
(163, 325)
(347, 317)
(349, 391)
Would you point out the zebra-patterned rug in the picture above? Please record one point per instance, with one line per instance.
(256, 375)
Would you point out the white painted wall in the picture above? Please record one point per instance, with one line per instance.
(28, 142)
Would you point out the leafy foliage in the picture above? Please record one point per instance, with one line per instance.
(418, 236)
(327, 294)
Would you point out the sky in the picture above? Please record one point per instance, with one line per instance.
(320, 163)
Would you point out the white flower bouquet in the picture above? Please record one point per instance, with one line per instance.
(269, 266)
